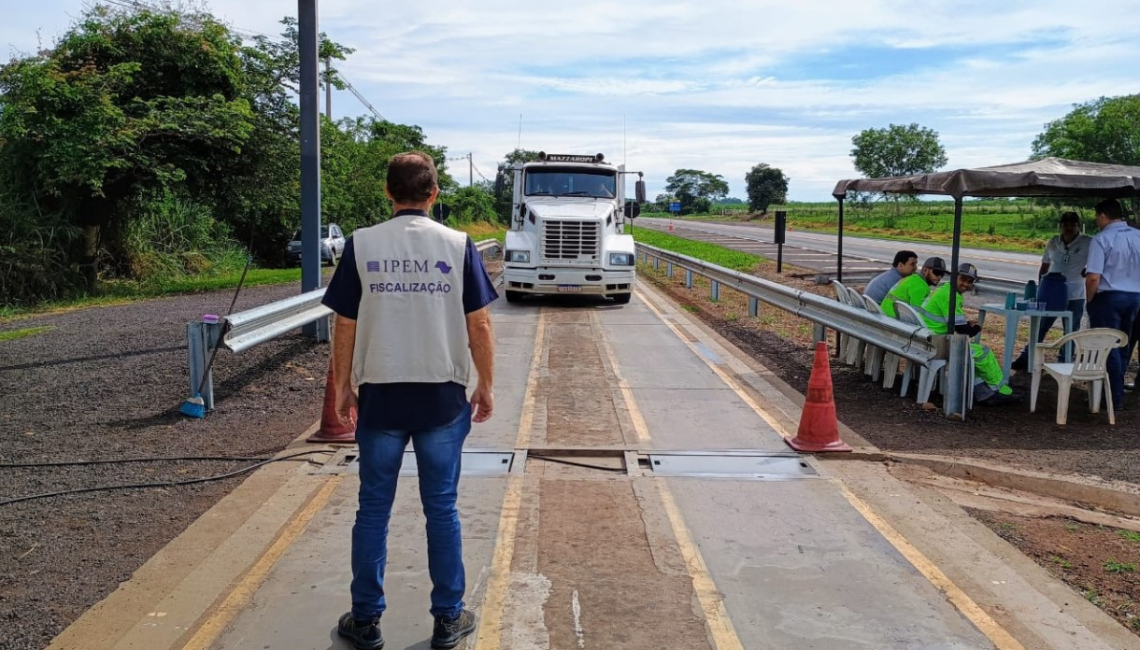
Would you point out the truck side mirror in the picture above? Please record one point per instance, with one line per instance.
(632, 209)
(639, 191)
(440, 211)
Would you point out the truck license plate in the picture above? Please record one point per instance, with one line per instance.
(570, 288)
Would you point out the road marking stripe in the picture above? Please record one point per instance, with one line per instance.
(639, 426)
(716, 616)
(966, 605)
(491, 621)
(728, 379)
(241, 595)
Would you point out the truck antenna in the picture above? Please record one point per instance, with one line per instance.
(624, 143)
(519, 145)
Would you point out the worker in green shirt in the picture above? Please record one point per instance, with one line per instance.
(914, 289)
(990, 388)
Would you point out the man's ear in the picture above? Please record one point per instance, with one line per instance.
(388, 193)
(434, 194)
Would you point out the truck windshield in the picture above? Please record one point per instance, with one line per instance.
(571, 182)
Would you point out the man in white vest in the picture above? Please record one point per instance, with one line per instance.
(411, 298)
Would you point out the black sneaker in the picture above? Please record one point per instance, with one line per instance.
(997, 399)
(448, 632)
(365, 635)
(1021, 363)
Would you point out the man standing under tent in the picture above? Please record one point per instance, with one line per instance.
(1112, 285)
(1066, 253)
(904, 264)
(990, 388)
(916, 287)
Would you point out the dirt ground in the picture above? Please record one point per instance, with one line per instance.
(1010, 435)
(1101, 564)
(107, 383)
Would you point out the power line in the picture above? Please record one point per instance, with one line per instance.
(352, 89)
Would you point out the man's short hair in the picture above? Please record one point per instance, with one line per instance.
(1070, 217)
(902, 257)
(411, 177)
(1110, 208)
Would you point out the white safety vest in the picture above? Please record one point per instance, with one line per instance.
(411, 327)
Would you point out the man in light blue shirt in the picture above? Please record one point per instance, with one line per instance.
(1112, 285)
(905, 263)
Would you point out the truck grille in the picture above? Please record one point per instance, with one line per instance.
(570, 240)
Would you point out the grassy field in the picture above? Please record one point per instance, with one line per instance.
(1015, 225)
(119, 292)
(718, 255)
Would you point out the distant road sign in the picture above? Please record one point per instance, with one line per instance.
(675, 206)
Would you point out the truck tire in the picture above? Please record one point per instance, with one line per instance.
(622, 298)
(514, 296)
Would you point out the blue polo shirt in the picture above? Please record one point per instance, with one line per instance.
(408, 406)
(1115, 255)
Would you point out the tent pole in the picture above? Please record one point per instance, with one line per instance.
(839, 262)
(955, 246)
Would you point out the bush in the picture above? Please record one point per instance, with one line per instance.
(34, 256)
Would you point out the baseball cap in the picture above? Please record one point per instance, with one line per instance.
(935, 264)
(968, 270)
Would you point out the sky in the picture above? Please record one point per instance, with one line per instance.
(712, 85)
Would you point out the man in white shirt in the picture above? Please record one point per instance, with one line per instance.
(1066, 253)
(1112, 285)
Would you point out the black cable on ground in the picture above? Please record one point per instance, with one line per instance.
(148, 459)
(106, 488)
(562, 461)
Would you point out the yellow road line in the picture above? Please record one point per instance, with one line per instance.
(639, 426)
(966, 605)
(491, 623)
(728, 379)
(720, 626)
(241, 595)
(716, 616)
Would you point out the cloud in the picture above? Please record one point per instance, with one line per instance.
(711, 84)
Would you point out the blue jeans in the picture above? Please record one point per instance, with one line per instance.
(1118, 310)
(438, 457)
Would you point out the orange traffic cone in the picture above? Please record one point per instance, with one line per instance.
(670, 225)
(819, 428)
(333, 429)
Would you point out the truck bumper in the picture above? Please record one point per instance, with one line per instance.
(549, 281)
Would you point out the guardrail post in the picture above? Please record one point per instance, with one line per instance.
(715, 292)
(818, 333)
(753, 307)
(669, 270)
(656, 263)
(688, 279)
(201, 338)
(957, 377)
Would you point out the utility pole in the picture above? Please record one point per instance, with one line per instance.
(310, 158)
(470, 171)
(328, 87)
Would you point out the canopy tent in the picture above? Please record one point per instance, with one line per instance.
(1048, 177)
(1054, 177)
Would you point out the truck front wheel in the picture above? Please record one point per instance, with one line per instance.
(622, 298)
(514, 296)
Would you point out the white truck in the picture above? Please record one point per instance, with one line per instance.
(567, 232)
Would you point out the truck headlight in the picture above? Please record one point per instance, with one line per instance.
(621, 259)
(518, 257)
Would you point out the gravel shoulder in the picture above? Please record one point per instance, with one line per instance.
(107, 383)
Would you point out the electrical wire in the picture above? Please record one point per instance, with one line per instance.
(561, 461)
(207, 479)
(143, 459)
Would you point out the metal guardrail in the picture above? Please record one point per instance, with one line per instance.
(908, 341)
(246, 329)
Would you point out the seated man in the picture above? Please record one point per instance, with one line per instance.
(915, 288)
(990, 388)
(905, 263)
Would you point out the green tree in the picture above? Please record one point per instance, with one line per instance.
(469, 204)
(897, 151)
(696, 189)
(766, 185)
(1106, 130)
(126, 103)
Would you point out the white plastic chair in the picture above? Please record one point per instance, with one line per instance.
(841, 296)
(928, 375)
(873, 357)
(853, 353)
(1090, 363)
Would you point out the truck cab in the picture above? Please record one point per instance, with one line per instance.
(567, 232)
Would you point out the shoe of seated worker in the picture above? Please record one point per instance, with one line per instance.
(1001, 399)
(448, 632)
(364, 635)
(1020, 364)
